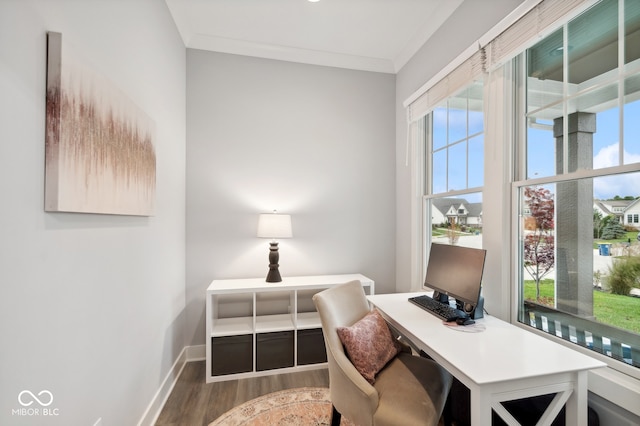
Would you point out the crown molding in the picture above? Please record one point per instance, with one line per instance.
(291, 54)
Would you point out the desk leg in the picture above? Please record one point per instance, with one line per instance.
(577, 411)
(480, 407)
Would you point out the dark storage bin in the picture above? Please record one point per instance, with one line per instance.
(311, 348)
(274, 350)
(231, 354)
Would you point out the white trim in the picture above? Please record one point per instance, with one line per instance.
(578, 174)
(290, 54)
(611, 414)
(417, 134)
(160, 398)
(454, 193)
(196, 353)
(620, 389)
(468, 52)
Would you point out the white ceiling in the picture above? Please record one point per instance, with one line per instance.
(371, 35)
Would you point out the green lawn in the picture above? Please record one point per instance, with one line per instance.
(438, 232)
(618, 311)
(629, 236)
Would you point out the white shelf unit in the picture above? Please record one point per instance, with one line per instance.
(258, 328)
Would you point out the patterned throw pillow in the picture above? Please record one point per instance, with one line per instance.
(369, 344)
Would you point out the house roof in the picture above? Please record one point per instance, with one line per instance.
(475, 209)
(602, 207)
(444, 204)
(616, 203)
(634, 203)
(607, 205)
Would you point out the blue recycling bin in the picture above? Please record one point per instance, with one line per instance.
(604, 249)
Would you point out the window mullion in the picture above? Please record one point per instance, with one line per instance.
(446, 152)
(466, 184)
(621, 59)
(565, 95)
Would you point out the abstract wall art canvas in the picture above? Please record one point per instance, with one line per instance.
(99, 146)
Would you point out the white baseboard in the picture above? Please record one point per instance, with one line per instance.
(620, 390)
(610, 414)
(188, 354)
(196, 353)
(160, 398)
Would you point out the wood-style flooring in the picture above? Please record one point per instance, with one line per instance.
(193, 402)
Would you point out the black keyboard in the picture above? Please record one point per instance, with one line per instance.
(446, 312)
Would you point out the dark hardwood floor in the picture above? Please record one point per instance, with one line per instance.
(193, 402)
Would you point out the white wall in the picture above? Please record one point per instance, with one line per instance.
(311, 141)
(91, 306)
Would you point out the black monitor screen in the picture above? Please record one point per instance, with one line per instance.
(456, 271)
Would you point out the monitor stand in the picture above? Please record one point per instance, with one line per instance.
(474, 311)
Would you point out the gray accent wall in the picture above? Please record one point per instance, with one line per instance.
(314, 142)
(92, 307)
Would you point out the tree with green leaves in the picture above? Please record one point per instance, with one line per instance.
(612, 230)
(598, 223)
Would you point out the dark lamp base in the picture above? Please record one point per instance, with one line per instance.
(274, 274)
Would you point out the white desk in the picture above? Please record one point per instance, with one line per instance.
(501, 363)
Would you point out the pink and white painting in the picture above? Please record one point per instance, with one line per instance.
(100, 154)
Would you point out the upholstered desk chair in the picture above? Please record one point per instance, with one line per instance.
(409, 390)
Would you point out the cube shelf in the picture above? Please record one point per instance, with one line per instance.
(257, 328)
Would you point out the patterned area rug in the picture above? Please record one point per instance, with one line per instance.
(293, 407)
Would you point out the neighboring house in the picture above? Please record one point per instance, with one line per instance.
(456, 210)
(601, 208)
(627, 211)
(632, 214)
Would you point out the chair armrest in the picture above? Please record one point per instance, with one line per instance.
(351, 394)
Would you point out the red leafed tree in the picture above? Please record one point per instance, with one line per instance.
(539, 243)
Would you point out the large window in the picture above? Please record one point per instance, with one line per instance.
(454, 136)
(579, 259)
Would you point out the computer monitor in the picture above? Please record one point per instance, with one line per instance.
(455, 271)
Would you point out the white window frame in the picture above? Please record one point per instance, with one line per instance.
(500, 220)
(421, 138)
(522, 181)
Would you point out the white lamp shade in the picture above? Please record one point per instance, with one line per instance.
(273, 225)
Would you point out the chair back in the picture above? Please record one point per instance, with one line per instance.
(351, 394)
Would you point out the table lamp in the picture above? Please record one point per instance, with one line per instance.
(274, 225)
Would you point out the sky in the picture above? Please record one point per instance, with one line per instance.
(540, 151)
